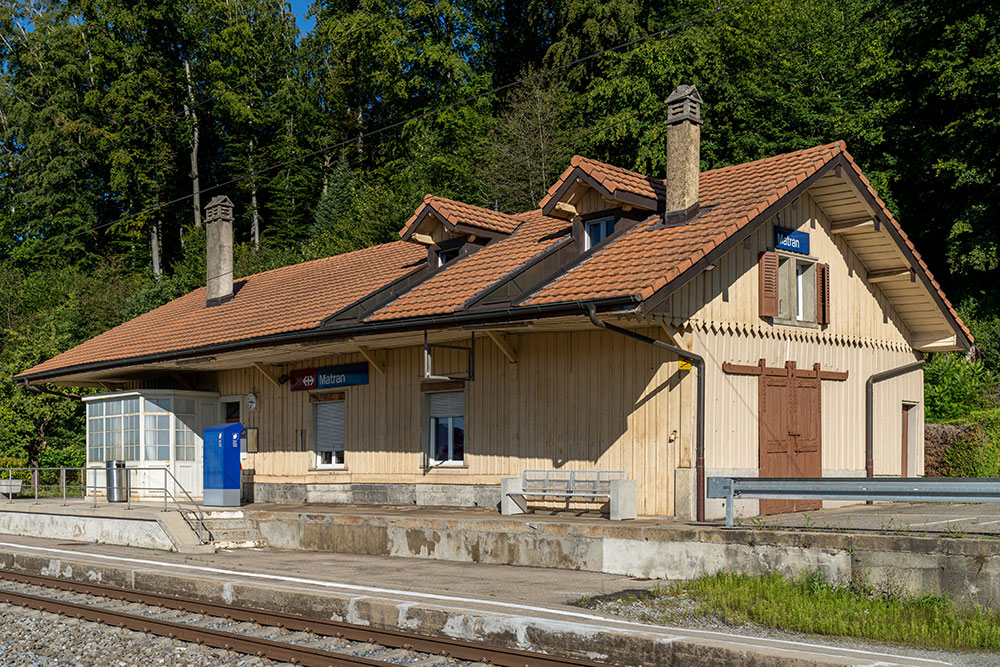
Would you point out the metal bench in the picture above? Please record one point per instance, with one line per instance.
(622, 493)
(9, 487)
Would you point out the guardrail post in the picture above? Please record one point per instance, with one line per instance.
(128, 488)
(10, 484)
(95, 486)
(164, 489)
(62, 483)
(34, 478)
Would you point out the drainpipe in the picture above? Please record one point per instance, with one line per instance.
(699, 362)
(870, 408)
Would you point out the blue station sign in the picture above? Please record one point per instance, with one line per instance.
(344, 375)
(789, 239)
(330, 377)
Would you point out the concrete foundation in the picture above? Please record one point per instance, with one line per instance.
(966, 570)
(420, 495)
(139, 532)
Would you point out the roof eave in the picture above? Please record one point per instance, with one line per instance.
(464, 318)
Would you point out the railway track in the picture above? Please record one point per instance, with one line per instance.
(281, 637)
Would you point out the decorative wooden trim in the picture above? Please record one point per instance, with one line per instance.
(442, 386)
(789, 370)
(327, 396)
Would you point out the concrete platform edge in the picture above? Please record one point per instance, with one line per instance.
(534, 633)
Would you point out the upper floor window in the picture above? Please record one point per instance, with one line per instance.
(447, 427)
(596, 231)
(445, 256)
(794, 289)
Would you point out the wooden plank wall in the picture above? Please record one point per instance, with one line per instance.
(731, 427)
(726, 298)
(574, 400)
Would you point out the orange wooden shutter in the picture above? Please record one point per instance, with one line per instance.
(823, 293)
(768, 268)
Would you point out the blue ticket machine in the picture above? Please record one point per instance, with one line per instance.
(222, 465)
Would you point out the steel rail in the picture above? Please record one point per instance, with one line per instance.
(230, 641)
(451, 648)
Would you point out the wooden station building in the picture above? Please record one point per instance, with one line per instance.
(425, 370)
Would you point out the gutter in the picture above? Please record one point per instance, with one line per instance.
(699, 362)
(870, 408)
(492, 316)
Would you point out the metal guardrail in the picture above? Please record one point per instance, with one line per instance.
(903, 489)
(36, 474)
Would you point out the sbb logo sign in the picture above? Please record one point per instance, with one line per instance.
(303, 380)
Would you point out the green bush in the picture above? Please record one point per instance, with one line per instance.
(954, 387)
(979, 454)
(14, 462)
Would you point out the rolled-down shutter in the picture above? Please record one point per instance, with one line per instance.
(447, 404)
(330, 426)
(768, 270)
(823, 293)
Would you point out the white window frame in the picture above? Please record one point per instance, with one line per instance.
(450, 253)
(797, 297)
(334, 465)
(602, 224)
(451, 461)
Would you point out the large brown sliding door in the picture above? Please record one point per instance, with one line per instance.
(790, 435)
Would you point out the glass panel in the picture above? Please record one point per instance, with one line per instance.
(184, 406)
(113, 408)
(157, 404)
(800, 274)
(439, 438)
(458, 439)
(131, 406)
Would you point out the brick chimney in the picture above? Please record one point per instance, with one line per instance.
(683, 154)
(219, 248)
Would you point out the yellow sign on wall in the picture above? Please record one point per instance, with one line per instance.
(683, 365)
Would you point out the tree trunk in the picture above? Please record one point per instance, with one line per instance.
(254, 212)
(326, 173)
(154, 249)
(192, 115)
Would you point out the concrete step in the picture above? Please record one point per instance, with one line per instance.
(227, 524)
(229, 530)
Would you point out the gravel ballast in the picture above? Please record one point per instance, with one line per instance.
(32, 638)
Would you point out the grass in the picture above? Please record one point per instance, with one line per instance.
(811, 605)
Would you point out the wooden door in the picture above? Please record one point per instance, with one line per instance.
(790, 435)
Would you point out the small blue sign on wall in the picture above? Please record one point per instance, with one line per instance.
(789, 239)
(344, 375)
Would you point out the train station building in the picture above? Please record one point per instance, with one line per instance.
(706, 323)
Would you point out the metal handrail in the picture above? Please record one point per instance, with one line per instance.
(900, 489)
(85, 486)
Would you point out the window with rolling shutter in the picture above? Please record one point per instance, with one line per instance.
(446, 444)
(823, 293)
(768, 270)
(330, 433)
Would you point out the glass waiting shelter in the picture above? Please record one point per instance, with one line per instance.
(150, 429)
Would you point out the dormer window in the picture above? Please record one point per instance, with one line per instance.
(445, 256)
(596, 231)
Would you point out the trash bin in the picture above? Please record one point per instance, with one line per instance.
(117, 480)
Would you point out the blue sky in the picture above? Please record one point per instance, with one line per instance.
(299, 8)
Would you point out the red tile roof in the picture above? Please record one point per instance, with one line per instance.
(644, 259)
(648, 258)
(456, 213)
(292, 298)
(459, 281)
(611, 178)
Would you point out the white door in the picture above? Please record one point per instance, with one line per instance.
(188, 450)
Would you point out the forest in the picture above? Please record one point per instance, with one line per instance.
(120, 120)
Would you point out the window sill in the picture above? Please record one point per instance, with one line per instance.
(447, 467)
(801, 324)
(329, 468)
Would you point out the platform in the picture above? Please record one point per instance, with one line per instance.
(965, 567)
(527, 608)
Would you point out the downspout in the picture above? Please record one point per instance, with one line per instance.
(699, 362)
(870, 408)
